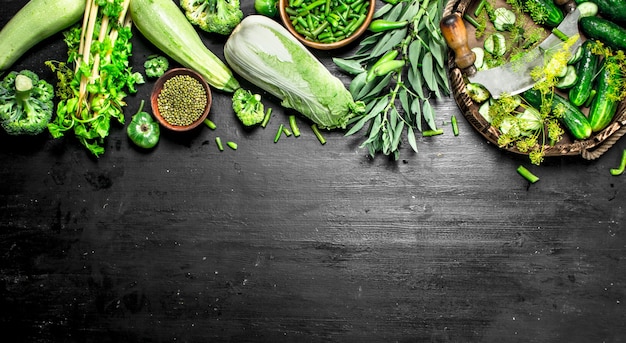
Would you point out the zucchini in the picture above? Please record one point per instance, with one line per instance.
(573, 119)
(587, 66)
(614, 10)
(570, 78)
(554, 15)
(604, 104)
(163, 24)
(605, 31)
(36, 21)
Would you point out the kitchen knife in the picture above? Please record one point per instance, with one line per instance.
(510, 78)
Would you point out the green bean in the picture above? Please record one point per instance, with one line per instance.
(279, 132)
(294, 125)
(327, 20)
(218, 141)
(318, 134)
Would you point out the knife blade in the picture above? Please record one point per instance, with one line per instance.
(510, 78)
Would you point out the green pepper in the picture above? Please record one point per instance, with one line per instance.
(267, 8)
(143, 130)
(380, 25)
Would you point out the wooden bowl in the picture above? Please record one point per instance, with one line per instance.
(158, 87)
(284, 16)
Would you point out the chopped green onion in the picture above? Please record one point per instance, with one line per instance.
(455, 126)
(294, 125)
(318, 134)
(619, 170)
(210, 124)
(430, 133)
(279, 132)
(527, 174)
(266, 119)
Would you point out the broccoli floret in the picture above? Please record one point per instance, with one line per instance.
(218, 16)
(156, 66)
(248, 107)
(25, 103)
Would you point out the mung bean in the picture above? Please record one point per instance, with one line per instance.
(182, 100)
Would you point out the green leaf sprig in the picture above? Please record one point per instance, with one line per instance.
(398, 74)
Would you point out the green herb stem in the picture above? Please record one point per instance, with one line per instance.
(471, 20)
(266, 118)
(318, 134)
(559, 34)
(211, 125)
(279, 133)
(294, 125)
(527, 174)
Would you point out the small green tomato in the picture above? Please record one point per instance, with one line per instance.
(267, 8)
(143, 130)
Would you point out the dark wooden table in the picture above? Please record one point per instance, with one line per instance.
(298, 241)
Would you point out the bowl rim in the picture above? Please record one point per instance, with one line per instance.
(158, 85)
(326, 46)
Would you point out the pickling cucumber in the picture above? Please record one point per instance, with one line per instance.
(573, 119)
(587, 66)
(614, 10)
(604, 104)
(605, 31)
(36, 21)
(569, 79)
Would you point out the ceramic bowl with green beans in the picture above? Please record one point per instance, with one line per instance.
(181, 99)
(326, 24)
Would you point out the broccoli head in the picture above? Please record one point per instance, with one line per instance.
(25, 103)
(156, 65)
(248, 107)
(218, 16)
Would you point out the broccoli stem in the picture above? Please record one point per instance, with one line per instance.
(23, 88)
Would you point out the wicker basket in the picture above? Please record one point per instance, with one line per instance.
(589, 149)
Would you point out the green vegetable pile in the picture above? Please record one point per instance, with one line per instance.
(399, 72)
(25, 103)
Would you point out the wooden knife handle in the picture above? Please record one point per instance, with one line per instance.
(455, 34)
(567, 5)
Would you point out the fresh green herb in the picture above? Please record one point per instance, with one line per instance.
(399, 97)
(26, 105)
(94, 92)
(619, 170)
(527, 174)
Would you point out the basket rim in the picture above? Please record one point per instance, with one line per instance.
(590, 148)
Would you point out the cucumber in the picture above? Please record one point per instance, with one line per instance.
(603, 106)
(573, 119)
(576, 56)
(605, 31)
(36, 21)
(554, 15)
(495, 44)
(569, 80)
(504, 18)
(588, 9)
(614, 10)
(163, 24)
(587, 66)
